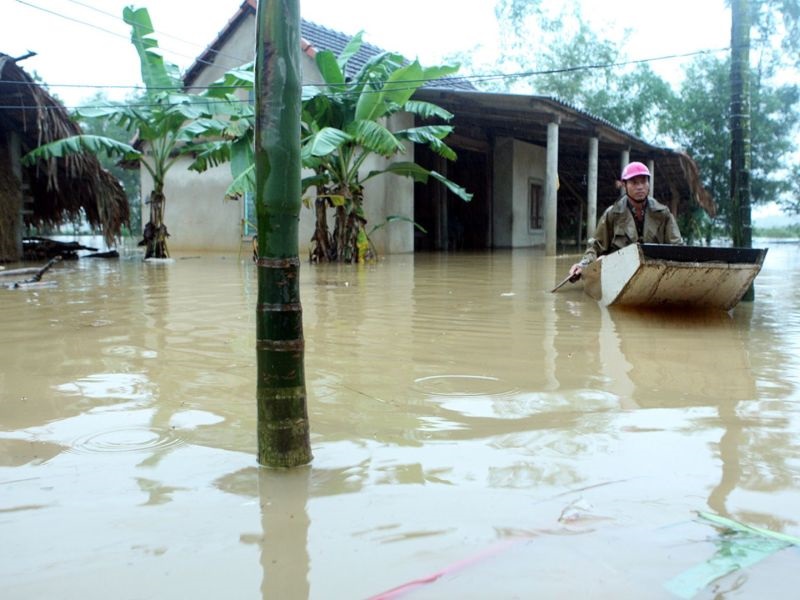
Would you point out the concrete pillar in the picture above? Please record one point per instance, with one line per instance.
(651, 166)
(503, 193)
(551, 190)
(591, 191)
(443, 237)
(440, 200)
(624, 159)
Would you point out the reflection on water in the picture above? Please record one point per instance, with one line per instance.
(474, 434)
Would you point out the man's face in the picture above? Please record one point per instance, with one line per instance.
(638, 188)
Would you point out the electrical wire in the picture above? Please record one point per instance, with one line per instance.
(119, 35)
(160, 33)
(412, 83)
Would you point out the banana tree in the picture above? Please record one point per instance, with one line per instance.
(344, 122)
(166, 124)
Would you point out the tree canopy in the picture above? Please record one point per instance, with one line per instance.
(560, 55)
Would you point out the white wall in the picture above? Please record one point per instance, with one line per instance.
(237, 50)
(515, 163)
(391, 195)
(529, 162)
(196, 213)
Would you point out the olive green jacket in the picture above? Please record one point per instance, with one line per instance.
(617, 229)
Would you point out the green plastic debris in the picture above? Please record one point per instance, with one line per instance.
(736, 526)
(741, 546)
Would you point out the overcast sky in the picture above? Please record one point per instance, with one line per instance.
(85, 42)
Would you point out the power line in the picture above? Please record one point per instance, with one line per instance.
(590, 67)
(119, 35)
(459, 79)
(80, 22)
(467, 79)
(160, 33)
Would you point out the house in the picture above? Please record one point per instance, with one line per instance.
(52, 193)
(541, 170)
(533, 163)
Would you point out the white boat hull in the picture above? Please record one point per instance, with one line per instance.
(664, 275)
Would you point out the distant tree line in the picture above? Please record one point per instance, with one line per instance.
(784, 232)
(560, 55)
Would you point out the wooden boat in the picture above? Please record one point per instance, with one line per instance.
(654, 275)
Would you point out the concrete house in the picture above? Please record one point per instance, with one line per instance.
(539, 169)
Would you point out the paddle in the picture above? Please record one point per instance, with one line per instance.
(568, 278)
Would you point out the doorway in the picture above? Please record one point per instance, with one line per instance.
(451, 224)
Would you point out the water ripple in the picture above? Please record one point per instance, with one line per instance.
(125, 439)
(463, 385)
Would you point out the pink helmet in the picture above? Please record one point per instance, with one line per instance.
(634, 169)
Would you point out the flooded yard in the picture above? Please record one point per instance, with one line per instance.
(474, 436)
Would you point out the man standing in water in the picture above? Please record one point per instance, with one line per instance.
(634, 218)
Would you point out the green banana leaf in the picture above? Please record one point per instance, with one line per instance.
(78, 144)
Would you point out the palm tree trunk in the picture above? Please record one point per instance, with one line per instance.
(283, 430)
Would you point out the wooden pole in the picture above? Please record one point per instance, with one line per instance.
(741, 228)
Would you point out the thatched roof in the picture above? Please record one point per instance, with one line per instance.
(61, 189)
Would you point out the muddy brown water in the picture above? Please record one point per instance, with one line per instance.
(474, 436)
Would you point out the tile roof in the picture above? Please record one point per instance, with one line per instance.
(315, 37)
(323, 38)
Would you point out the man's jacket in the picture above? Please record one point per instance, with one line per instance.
(617, 229)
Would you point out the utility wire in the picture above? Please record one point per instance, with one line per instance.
(160, 33)
(589, 67)
(456, 79)
(74, 20)
(452, 80)
(472, 78)
(114, 33)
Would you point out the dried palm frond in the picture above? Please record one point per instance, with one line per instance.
(62, 189)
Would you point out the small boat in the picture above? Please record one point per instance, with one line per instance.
(657, 275)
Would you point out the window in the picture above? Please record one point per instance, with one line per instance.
(536, 205)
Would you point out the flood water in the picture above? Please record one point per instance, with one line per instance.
(474, 436)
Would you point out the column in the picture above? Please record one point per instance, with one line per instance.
(440, 198)
(551, 190)
(591, 192)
